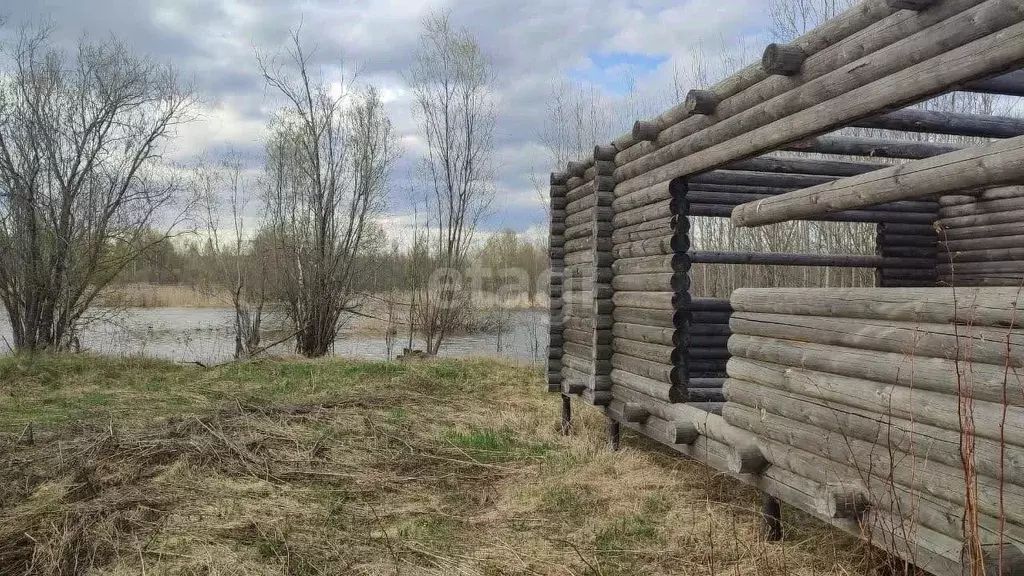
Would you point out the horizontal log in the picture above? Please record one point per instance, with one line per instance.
(709, 317)
(651, 300)
(665, 431)
(1000, 346)
(994, 255)
(983, 382)
(696, 341)
(709, 305)
(723, 177)
(676, 281)
(646, 351)
(623, 237)
(1010, 84)
(951, 123)
(721, 353)
(982, 207)
(836, 168)
(662, 245)
(839, 216)
(706, 382)
(718, 330)
(651, 264)
(655, 370)
(599, 213)
(643, 316)
(664, 226)
(640, 333)
(785, 259)
(704, 395)
(986, 231)
(650, 387)
(736, 195)
(919, 252)
(1002, 162)
(650, 212)
(979, 307)
(896, 230)
(1007, 217)
(976, 268)
(991, 280)
(872, 147)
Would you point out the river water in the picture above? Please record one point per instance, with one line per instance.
(206, 335)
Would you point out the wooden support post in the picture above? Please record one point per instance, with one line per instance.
(566, 415)
(614, 434)
(771, 513)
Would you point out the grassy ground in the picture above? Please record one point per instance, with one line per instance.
(125, 466)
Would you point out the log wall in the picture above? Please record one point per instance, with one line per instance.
(789, 392)
(890, 398)
(982, 238)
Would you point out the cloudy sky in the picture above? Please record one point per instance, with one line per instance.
(628, 51)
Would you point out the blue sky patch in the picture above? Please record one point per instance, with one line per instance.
(613, 70)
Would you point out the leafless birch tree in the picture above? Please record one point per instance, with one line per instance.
(82, 176)
(225, 193)
(329, 157)
(451, 82)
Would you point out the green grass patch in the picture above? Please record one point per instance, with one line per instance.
(490, 445)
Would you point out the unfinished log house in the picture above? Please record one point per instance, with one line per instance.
(895, 411)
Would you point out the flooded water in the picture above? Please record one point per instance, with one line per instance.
(206, 335)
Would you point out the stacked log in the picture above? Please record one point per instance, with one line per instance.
(578, 287)
(599, 387)
(902, 247)
(556, 256)
(650, 283)
(982, 238)
(888, 399)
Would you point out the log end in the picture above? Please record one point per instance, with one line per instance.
(576, 168)
(559, 178)
(783, 59)
(842, 501)
(606, 152)
(746, 460)
(644, 131)
(701, 102)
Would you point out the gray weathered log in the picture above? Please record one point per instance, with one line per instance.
(649, 387)
(662, 245)
(646, 351)
(659, 318)
(783, 59)
(1010, 84)
(979, 307)
(1001, 162)
(871, 147)
(640, 333)
(951, 123)
(982, 382)
(982, 207)
(988, 231)
(642, 283)
(701, 102)
(645, 131)
(1001, 346)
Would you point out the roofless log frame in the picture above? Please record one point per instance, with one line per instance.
(798, 391)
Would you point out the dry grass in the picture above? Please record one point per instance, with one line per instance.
(142, 295)
(309, 468)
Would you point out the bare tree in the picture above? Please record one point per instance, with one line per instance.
(238, 268)
(451, 82)
(328, 162)
(82, 177)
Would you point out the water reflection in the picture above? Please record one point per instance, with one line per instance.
(206, 335)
